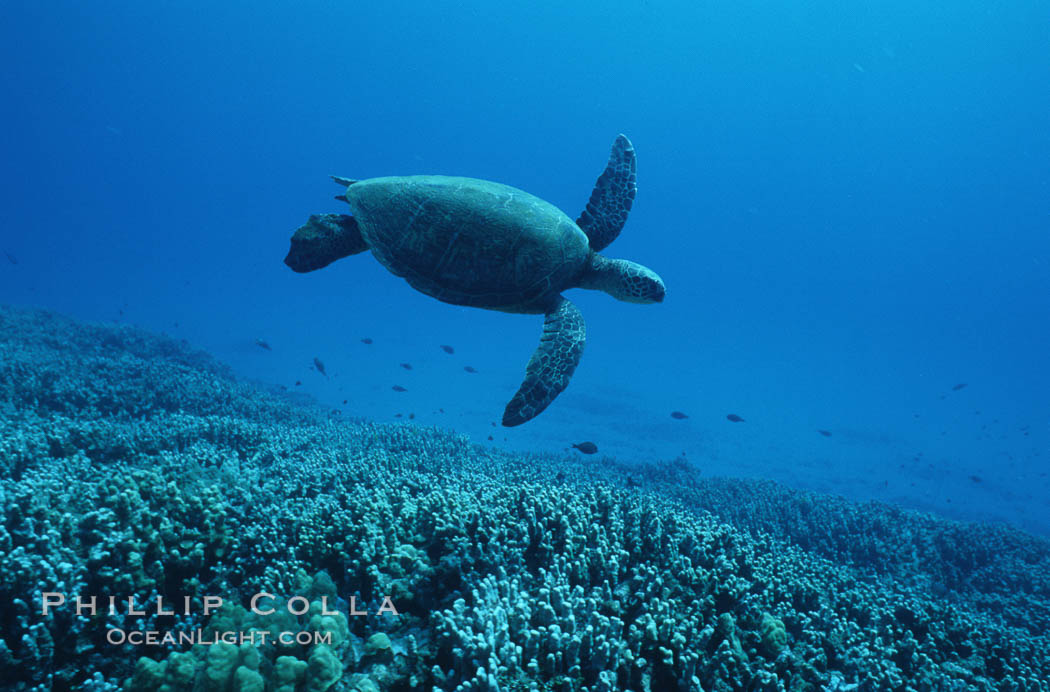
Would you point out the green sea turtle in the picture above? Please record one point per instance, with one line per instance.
(487, 245)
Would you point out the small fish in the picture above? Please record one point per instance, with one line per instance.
(320, 366)
(406, 366)
(411, 416)
(366, 340)
(735, 418)
(14, 260)
(398, 415)
(344, 402)
(469, 369)
(298, 383)
(447, 349)
(961, 385)
(586, 447)
(263, 345)
(678, 415)
(975, 479)
(490, 438)
(399, 388)
(825, 433)
(560, 476)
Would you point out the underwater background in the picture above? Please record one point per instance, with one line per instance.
(848, 203)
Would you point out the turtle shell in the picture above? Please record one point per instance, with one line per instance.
(470, 242)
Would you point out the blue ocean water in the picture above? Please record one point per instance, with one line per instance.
(848, 203)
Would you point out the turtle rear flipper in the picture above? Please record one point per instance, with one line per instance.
(551, 365)
(323, 239)
(613, 195)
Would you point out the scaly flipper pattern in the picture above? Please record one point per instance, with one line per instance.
(552, 364)
(613, 195)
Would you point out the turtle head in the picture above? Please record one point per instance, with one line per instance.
(323, 239)
(623, 280)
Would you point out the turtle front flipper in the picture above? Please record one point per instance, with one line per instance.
(551, 365)
(613, 194)
(322, 240)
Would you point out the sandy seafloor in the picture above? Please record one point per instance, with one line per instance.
(136, 466)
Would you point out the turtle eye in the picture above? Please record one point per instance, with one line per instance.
(647, 287)
(658, 291)
(653, 289)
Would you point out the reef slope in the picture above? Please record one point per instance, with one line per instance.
(133, 465)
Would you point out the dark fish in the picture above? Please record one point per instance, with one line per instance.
(320, 366)
(298, 383)
(490, 437)
(560, 476)
(263, 345)
(735, 418)
(975, 479)
(586, 447)
(399, 388)
(411, 416)
(825, 433)
(406, 366)
(366, 340)
(397, 415)
(678, 415)
(447, 349)
(344, 401)
(469, 369)
(14, 260)
(961, 385)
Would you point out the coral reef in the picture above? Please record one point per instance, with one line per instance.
(133, 466)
